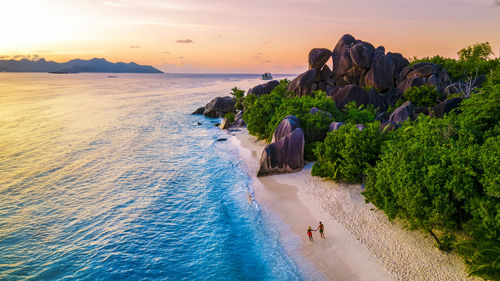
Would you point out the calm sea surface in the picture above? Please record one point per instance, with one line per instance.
(112, 179)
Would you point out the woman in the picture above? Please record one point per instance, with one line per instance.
(310, 234)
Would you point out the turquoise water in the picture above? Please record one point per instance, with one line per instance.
(111, 179)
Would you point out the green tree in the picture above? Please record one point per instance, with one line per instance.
(238, 96)
(358, 114)
(424, 95)
(476, 52)
(347, 153)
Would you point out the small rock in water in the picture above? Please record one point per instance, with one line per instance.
(222, 139)
(216, 124)
(198, 123)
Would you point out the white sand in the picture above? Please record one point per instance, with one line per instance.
(360, 244)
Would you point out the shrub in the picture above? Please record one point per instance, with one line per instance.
(422, 95)
(355, 114)
(229, 116)
(346, 153)
(260, 112)
(315, 126)
(398, 103)
(472, 60)
(309, 151)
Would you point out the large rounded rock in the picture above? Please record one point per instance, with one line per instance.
(263, 89)
(200, 110)
(318, 57)
(361, 54)
(355, 93)
(302, 84)
(424, 69)
(381, 74)
(283, 156)
(392, 96)
(380, 51)
(334, 126)
(219, 106)
(326, 73)
(402, 114)
(285, 127)
(341, 59)
(445, 107)
(399, 61)
(355, 76)
(413, 81)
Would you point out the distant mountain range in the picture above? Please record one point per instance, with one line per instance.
(74, 66)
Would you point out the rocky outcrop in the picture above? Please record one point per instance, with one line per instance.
(238, 120)
(334, 126)
(355, 93)
(285, 127)
(200, 110)
(391, 97)
(341, 59)
(402, 114)
(302, 85)
(315, 110)
(263, 89)
(286, 155)
(318, 57)
(219, 106)
(360, 127)
(445, 107)
(381, 74)
(358, 62)
(423, 74)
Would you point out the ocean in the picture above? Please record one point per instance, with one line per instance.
(106, 178)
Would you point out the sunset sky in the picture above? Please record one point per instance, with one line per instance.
(236, 36)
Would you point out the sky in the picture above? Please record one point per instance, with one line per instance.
(236, 36)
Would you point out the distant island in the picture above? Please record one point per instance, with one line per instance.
(74, 66)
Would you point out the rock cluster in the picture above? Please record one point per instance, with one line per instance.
(370, 76)
(286, 152)
(423, 74)
(217, 108)
(360, 73)
(263, 89)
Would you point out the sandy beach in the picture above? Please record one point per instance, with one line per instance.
(360, 244)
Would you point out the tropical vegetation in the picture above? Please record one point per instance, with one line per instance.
(439, 176)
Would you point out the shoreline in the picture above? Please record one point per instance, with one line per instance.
(361, 243)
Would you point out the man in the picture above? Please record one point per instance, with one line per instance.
(321, 228)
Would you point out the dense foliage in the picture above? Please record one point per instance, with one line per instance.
(315, 125)
(424, 95)
(347, 152)
(358, 114)
(472, 61)
(259, 112)
(230, 117)
(442, 176)
(264, 113)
